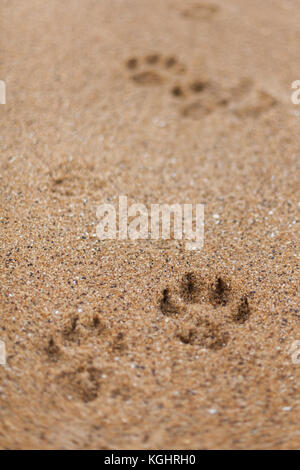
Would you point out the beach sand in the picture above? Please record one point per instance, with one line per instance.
(144, 344)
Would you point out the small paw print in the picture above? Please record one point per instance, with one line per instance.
(153, 69)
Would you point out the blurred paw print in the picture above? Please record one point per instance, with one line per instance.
(294, 351)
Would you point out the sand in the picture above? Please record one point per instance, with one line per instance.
(146, 345)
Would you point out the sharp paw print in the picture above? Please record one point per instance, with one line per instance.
(204, 310)
(167, 306)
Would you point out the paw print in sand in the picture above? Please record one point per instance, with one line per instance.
(203, 310)
(196, 97)
(153, 69)
(80, 380)
(203, 97)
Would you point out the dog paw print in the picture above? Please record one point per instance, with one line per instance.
(153, 69)
(80, 381)
(73, 332)
(203, 310)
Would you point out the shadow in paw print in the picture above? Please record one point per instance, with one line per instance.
(189, 289)
(52, 350)
(195, 87)
(152, 59)
(119, 343)
(243, 311)
(70, 333)
(167, 306)
(79, 330)
(219, 294)
(177, 91)
(132, 63)
(198, 86)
